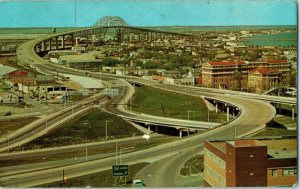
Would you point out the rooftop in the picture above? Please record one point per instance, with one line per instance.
(78, 58)
(246, 143)
(283, 148)
(277, 61)
(6, 69)
(24, 80)
(226, 63)
(279, 148)
(264, 71)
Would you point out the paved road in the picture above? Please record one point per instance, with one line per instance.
(43, 125)
(249, 121)
(86, 82)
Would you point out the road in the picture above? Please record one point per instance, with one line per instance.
(249, 120)
(184, 147)
(43, 125)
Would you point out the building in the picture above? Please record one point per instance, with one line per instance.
(234, 74)
(225, 75)
(34, 87)
(80, 61)
(246, 163)
(262, 79)
(18, 73)
(9, 98)
(5, 71)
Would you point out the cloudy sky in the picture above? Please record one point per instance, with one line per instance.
(148, 12)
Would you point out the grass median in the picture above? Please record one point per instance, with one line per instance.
(163, 103)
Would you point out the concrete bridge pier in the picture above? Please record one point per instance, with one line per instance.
(56, 43)
(216, 106)
(76, 41)
(43, 46)
(148, 132)
(227, 110)
(63, 42)
(293, 113)
(72, 40)
(50, 44)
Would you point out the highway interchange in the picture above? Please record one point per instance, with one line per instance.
(164, 170)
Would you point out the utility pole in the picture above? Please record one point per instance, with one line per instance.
(106, 121)
(116, 152)
(207, 115)
(63, 178)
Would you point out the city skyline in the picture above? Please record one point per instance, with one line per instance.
(162, 13)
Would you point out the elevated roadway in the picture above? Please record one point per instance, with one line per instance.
(249, 120)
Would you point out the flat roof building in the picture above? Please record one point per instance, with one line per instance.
(245, 163)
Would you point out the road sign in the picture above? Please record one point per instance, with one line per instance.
(120, 170)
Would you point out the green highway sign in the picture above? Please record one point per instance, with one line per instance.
(120, 170)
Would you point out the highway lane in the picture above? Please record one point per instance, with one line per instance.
(227, 131)
(137, 142)
(249, 120)
(43, 125)
(147, 155)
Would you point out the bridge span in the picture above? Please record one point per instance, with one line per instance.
(249, 120)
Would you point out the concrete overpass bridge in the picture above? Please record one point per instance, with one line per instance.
(96, 36)
(253, 116)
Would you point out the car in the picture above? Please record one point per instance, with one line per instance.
(137, 183)
(8, 113)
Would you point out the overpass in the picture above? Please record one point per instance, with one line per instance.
(248, 121)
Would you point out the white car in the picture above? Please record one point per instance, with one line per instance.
(137, 183)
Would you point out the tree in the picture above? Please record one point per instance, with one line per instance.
(110, 62)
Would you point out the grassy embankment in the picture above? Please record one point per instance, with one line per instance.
(91, 127)
(168, 104)
(101, 179)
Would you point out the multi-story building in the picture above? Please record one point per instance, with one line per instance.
(262, 79)
(245, 163)
(225, 74)
(234, 74)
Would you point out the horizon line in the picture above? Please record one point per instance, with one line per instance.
(21, 27)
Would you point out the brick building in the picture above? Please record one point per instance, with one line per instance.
(246, 163)
(262, 79)
(234, 74)
(225, 75)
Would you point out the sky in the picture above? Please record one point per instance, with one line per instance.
(61, 13)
